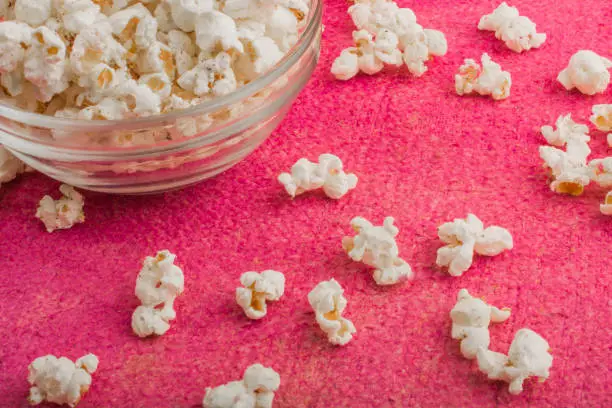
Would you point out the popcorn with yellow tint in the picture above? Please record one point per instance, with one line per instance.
(566, 129)
(211, 76)
(602, 117)
(375, 246)
(62, 213)
(528, 356)
(15, 38)
(362, 57)
(488, 79)
(328, 302)
(135, 27)
(569, 173)
(217, 32)
(601, 171)
(327, 174)
(257, 289)
(471, 319)
(606, 207)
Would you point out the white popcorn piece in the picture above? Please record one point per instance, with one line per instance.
(183, 49)
(10, 166)
(528, 356)
(33, 12)
(257, 289)
(566, 129)
(155, 59)
(260, 55)
(216, 31)
(159, 282)
(416, 42)
(185, 13)
(158, 83)
(148, 321)
(601, 171)
(463, 237)
(587, 72)
(375, 15)
(327, 174)
(140, 98)
(328, 302)
(255, 390)
(106, 109)
(78, 15)
(517, 32)
(59, 380)
(211, 76)
(62, 213)
(110, 7)
(602, 117)
(96, 45)
(609, 138)
(282, 26)
(568, 170)
(471, 318)
(606, 207)
(15, 37)
(375, 246)
(163, 15)
(486, 80)
(135, 27)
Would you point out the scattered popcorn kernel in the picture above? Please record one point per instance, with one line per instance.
(602, 117)
(587, 71)
(486, 80)
(328, 302)
(59, 380)
(471, 318)
(255, 390)
(606, 207)
(517, 32)
(421, 46)
(259, 288)
(528, 356)
(386, 48)
(328, 174)
(463, 237)
(376, 247)
(376, 15)
(601, 171)
(10, 166)
(566, 129)
(62, 213)
(568, 170)
(148, 321)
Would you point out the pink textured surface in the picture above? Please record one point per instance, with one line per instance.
(423, 155)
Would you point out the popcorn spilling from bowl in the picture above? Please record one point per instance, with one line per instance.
(587, 72)
(60, 380)
(488, 79)
(257, 289)
(64, 212)
(328, 302)
(517, 32)
(100, 60)
(158, 284)
(255, 390)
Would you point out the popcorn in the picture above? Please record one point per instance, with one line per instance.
(59, 380)
(587, 71)
(79, 15)
(466, 236)
(213, 76)
(255, 390)
(606, 207)
(260, 55)
(376, 247)
(163, 15)
(33, 12)
(328, 302)
(10, 166)
(135, 27)
(106, 109)
(417, 50)
(62, 213)
(471, 318)
(328, 174)
(183, 49)
(185, 13)
(517, 32)
(486, 80)
(95, 45)
(529, 356)
(601, 171)
(15, 38)
(282, 27)
(158, 83)
(148, 321)
(609, 138)
(259, 287)
(157, 58)
(602, 117)
(568, 170)
(375, 15)
(566, 129)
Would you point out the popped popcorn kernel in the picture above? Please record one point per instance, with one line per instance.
(602, 117)
(185, 13)
(327, 174)
(471, 318)
(328, 302)
(10, 166)
(587, 72)
(606, 207)
(568, 170)
(62, 213)
(211, 76)
(566, 129)
(486, 80)
(463, 237)
(59, 380)
(517, 32)
(376, 247)
(528, 356)
(257, 289)
(601, 171)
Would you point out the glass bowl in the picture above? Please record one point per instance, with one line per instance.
(168, 151)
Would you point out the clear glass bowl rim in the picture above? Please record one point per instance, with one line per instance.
(304, 42)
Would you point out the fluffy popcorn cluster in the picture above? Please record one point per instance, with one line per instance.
(387, 35)
(255, 390)
(158, 284)
(107, 60)
(60, 380)
(471, 318)
(567, 130)
(327, 174)
(517, 32)
(62, 213)
(602, 119)
(528, 356)
(257, 289)
(587, 72)
(10, 166)
(488, 79)
(463, 237)
(328, 302)
(375, 246)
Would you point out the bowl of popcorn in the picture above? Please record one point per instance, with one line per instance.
(130, 97)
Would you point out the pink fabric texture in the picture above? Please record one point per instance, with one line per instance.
(423, 155)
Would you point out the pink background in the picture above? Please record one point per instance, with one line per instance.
(423, 155)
